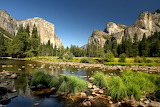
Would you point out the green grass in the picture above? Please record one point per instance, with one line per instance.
(100, 79)
(117, 88)
(42, 78)
(72, 84)
(128, 83)
(130, 64)
(150, 61)
(64, 83)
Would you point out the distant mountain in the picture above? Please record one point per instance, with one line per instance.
(147, 23)
(45, 29)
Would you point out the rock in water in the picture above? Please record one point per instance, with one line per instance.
(41, 86)
(3, 91)
(86, 103)
(5, 101)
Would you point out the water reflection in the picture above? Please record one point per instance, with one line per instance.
(26, 97)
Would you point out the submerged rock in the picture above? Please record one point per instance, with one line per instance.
(41, 86)
(14, 76)
(36, 104)
(3, 91)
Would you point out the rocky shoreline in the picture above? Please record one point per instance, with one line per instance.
(102, 67)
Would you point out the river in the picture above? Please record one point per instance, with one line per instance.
(25, 97)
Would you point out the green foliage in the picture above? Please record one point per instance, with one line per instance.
(158, 11)
(137, 84)
(66, 56)
(117, 88)
(87, 60)
(72, 84)
(138, 59)
(42, 78)
(100, 79)
(122, 57)
(128, 83)
(6, 33)
(65, 83)
(109, 56)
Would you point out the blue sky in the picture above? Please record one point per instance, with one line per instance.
(75, 20)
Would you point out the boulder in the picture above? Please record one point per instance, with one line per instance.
(13, 76)
(83, 95)
(86, 103)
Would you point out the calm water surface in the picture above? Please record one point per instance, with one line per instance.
(26, 97)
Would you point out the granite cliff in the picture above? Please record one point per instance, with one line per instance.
(147, 23)
(45, 29)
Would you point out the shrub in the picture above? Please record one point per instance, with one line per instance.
(157, 61)
(72, 84)
(149, 61)
(109, 56)
(87, 60)
(66, 56)
(122, 57)
(138, 59)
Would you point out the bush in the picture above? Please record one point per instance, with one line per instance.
(66, 56)
(109, 56)
(87, 60)
(72, 84)
(138, 59)
(122, 57)
(149, 61)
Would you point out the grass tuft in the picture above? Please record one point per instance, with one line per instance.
(72, 84)
(129, 83)
(100, 79)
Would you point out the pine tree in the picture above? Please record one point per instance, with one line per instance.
(135, 46)
(144, 46)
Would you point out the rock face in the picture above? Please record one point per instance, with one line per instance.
(45, 29)
(147, 23)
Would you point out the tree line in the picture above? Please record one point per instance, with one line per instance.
(27, 44)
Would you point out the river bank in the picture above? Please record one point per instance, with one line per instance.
(102, 67)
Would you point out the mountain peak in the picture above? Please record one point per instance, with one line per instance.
(147, 23)
(45, 29)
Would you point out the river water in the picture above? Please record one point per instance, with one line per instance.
(26, 98)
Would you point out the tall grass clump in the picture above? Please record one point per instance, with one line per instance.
(137, 84)
(41, 77)
(117, 88)
(129, 84)
(72, 84)
(100, 79)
